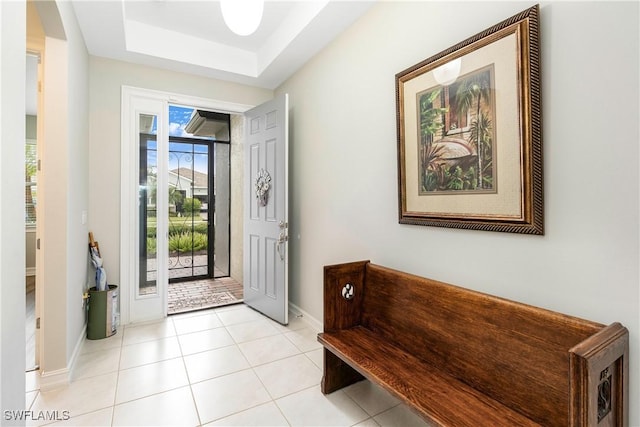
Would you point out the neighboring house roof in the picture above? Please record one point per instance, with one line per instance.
(199, 179)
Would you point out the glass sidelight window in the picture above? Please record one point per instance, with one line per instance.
(147, 205)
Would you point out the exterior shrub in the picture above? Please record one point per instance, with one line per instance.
(186, 242)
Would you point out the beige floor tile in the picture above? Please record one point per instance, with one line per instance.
(267, 415)
(230, 307)
(220, 397)
(150, 379)
(41, 418)
(311, 408)
(239, 315)
(148, 332)
(295, 323)
(368, 423)
(205, 340)
(188, 314)
(215, 363)
(201, 322)
(268, 349)
(400, 416)
(96, 363)
(370, 397)
(317, 357)
(114, 341)
(171, 408)
(305, 339)
(149, 352)
(253, 330)
(289, 375)
(80, 397)
(100, 418)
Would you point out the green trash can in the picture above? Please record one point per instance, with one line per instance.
(103, 312)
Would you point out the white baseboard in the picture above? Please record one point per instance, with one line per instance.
(77, 349)
(50, 380)
(313, 323)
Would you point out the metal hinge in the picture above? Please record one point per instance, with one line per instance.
(38, 323)
(38, 244)
(39, 164)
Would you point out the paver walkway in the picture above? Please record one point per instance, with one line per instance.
(204, 293)
(196, 294)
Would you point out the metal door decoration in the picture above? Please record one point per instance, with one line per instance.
(262, 186)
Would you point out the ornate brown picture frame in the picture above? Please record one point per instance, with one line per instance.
(470, 133)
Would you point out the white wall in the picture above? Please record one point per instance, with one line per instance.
(106, 79)
(53, 204)
(12, 264)
(77, 188)
(344, 175)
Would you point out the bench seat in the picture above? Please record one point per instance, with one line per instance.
(425, 388)
(459, 357)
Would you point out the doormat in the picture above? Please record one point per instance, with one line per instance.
(215, 299)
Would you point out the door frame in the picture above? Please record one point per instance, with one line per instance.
(129, 179)
(39, 292)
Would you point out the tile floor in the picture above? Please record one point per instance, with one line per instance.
(228, 366)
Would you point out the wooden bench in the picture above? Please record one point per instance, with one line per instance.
(463, 358)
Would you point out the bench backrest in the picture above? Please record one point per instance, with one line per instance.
(512, 352)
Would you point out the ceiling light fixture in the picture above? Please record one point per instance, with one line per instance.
(242, 16)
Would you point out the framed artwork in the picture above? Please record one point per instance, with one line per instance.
(470, 133)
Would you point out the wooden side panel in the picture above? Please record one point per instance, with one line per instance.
(340, 374)
(341, 312)
(599, 379)
(343, 296)
(513, 353)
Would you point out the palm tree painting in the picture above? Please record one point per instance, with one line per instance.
(457, 135)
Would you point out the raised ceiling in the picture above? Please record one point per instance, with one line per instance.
(191, 36)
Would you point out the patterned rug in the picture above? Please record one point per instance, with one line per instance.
(202, 301)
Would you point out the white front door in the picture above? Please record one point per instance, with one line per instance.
(266, 209)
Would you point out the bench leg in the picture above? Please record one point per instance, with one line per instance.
(337, 374)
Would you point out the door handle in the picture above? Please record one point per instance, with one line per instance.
(282, 238)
